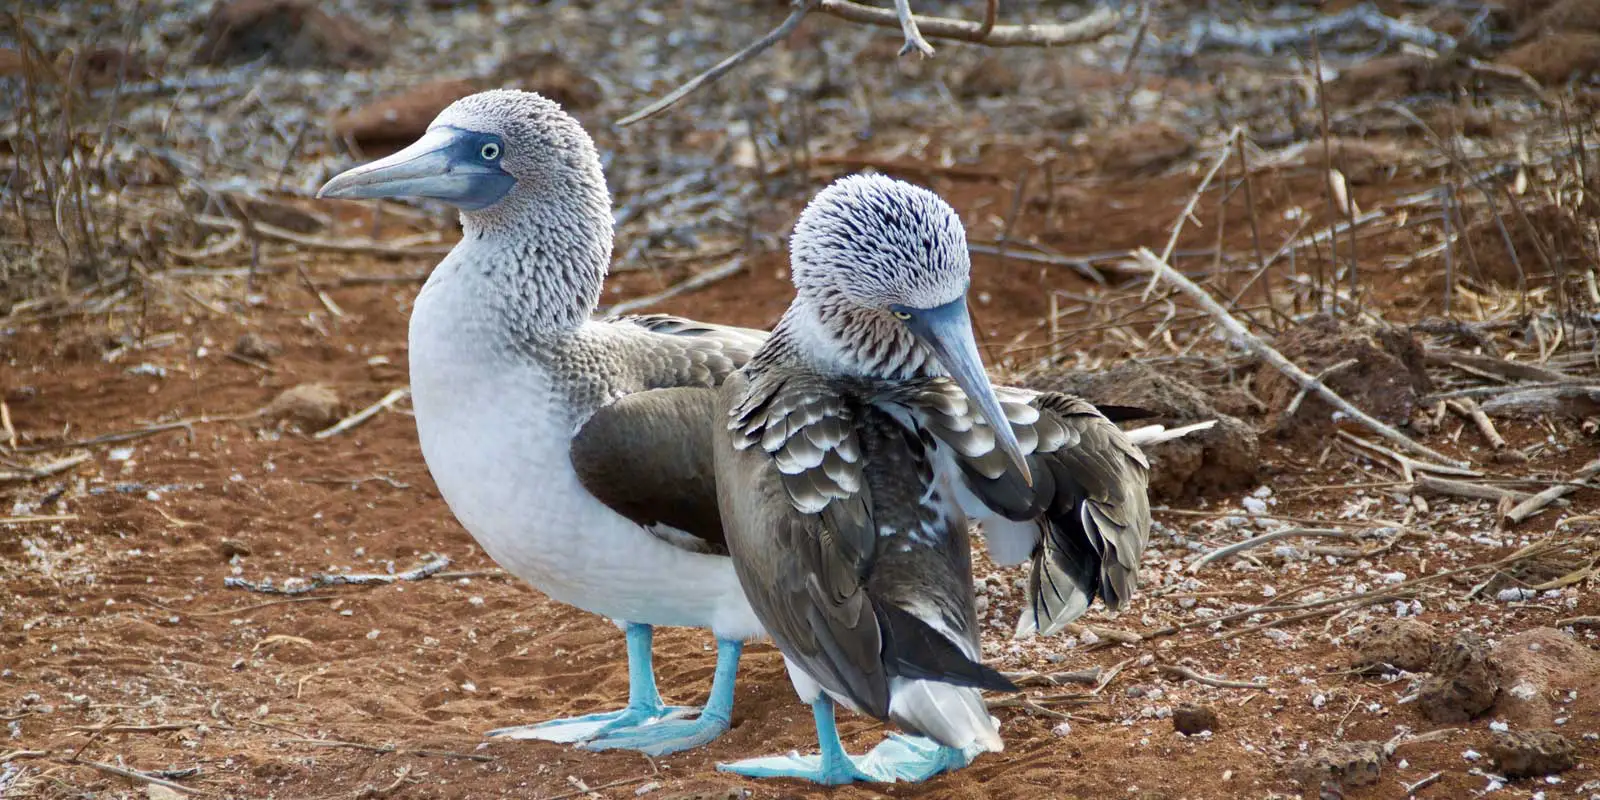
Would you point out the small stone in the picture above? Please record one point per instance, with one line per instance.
(1344, 764)
(312, 405)
(288, 33)
(1531, 754)
(232, 547)
(1464, 684)
(256, 346)
(1407, 644)
(390, 123)
(1190, 720)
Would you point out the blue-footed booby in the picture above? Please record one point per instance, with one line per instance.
(854, 448)
(575, 451)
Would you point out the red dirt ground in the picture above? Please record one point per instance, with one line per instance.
(115, 614)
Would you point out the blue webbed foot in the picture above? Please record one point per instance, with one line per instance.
(909, 759)
(647, 725)
(661, 737)
(591, 726)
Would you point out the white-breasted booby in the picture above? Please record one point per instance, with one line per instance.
(854, 448)
(568, 447)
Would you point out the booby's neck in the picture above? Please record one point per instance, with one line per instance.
(832, 336)
(539, 260)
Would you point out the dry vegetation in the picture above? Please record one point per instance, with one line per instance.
(1376, 578)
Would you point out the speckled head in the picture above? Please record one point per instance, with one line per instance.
(879, 263)
(486, 154)
(880, 244)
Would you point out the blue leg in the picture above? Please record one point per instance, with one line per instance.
(644, 702)
(912, 759)
(672, 735)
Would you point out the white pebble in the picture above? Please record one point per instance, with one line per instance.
(372, 634)
(1497, 725)
(1063, 730)
(1471, 755)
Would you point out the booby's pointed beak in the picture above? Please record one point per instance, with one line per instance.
(947, 331)
(446, 164)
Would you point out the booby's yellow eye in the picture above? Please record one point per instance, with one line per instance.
(902, 315)
(490, 151)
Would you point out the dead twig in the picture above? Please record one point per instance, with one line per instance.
(1208, 680)
(1468, 408)
(1087, 29)
(1159, 269)
(908, 28)
(1428, 484)
(1300, 396)
(323, 580)
(130, 774)
(44, 470)
(1537, 503)
(1087, 677)
(394, 396)
(1408, 465)
(1214, 32)
(389, 748)
(1257, 541)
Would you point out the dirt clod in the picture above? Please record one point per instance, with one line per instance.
(254, 345)
(290, 33)
(232, 547)
(1408, 645)
(1216, 460)
(1190, 720)
(1341, 764)
(1537, 665)
(393, 122)
(1465, 681)
(1531, 754)
(1385, 381)
(1556, 58)
(310, 405)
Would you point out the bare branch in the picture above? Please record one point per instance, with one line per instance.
(725, 66)
(908, 28)
(1080, 31)
(1087, 29)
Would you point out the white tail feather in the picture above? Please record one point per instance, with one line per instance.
(954, 716)
(1155, 434)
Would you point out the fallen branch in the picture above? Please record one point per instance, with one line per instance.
(914, 28)
(123, 772)
(1208, 680)
(394, 396)
(1467, 407)
(1427, 484)
(323, 580)
(1408, 465)
(1211, 31)
(1540, 501)
(353, 245)
(139, 433)
(1257, 541)
(1497, 367)
(1159, 269)
(389, 748)
(1300, 396)
(1558, 401)
(1087, 677)
(44, 470)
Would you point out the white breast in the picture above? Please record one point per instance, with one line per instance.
(496, 437)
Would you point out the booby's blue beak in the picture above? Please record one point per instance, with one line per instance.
(947, 331)
(457, 166)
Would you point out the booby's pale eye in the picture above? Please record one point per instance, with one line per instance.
(490, 151)
(902, 315)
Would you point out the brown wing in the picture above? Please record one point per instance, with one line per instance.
(1088, 499)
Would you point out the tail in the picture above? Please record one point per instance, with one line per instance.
(1156, 434)
(953, 716)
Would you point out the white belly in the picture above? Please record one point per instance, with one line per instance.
(497, 445)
